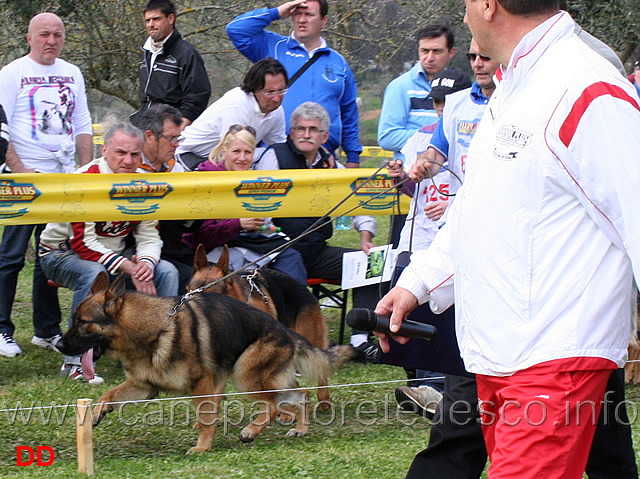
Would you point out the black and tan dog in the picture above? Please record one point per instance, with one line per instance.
(271, 291)
(209, 339)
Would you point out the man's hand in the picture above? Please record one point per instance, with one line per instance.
(435, 209)
(426, 162)
(141, 276)
(394, 168)
(251, 224)
(366, 241)
(286, 9)
(397, 303)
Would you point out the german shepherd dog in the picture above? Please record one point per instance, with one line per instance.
(193, 345)
(271, 291)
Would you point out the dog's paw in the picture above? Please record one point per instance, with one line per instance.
(325, 405)
(247, 437)
(196, 450)
(296, 433)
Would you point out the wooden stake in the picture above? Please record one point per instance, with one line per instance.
(84, 436)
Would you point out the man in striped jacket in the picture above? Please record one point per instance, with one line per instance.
(72, 254)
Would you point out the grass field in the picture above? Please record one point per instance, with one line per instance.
(362, 436)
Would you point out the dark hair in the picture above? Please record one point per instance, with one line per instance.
(530, 7)
(324, 7)
(254, 79)
(166, 6)
(435, 31)
(153, 119)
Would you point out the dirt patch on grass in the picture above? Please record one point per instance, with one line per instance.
(370, 115)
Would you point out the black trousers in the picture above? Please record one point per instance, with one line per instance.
(456, 446)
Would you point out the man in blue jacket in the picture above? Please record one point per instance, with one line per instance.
(328, 81)
(407, 106)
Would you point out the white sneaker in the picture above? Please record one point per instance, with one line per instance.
(425, 398)
(8, 347)
(74, 371)
(47, 343)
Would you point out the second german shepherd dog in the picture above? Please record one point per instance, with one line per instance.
(271, 291)
(194, 345)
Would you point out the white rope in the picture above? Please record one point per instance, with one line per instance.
(247, 393)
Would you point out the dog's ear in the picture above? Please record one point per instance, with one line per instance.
(223, 262)
(100, 283)
(114, 295)
(200, 260)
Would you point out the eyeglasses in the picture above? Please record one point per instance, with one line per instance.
(237, 128)
(172, 139)
(272, 93)
(472, 57)
(304, 129)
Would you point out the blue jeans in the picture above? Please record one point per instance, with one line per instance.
(289, 261)
(46, 309)
(68, 269)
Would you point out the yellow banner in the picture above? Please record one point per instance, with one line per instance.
(46, 198)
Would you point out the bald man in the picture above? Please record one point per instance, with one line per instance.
(45, 103)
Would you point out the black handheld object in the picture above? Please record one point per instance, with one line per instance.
(367, 320)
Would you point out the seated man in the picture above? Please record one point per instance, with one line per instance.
(303, 149)
(161, 126)
(256, 103)
(72, 254)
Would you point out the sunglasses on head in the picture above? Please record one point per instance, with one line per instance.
(472, 57)
(238, 128)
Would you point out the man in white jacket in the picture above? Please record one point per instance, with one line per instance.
(541, 242)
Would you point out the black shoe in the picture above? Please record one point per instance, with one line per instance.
(368, 352)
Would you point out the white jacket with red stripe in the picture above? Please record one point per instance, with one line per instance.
(544, 236)
(103, 241)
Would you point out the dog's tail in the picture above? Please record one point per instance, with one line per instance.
(314, 363)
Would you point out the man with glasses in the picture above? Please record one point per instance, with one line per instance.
(161, 126)
(304, 149)
(256, 103)
(328, 81)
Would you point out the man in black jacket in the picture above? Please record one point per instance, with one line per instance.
(171, 70)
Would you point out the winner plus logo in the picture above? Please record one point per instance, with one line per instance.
(379, 189)
(259, 194)
(14, 195)
(136, 193)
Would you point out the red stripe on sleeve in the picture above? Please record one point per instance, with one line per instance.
(592, 92)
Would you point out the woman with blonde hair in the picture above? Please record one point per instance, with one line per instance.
(242, 235)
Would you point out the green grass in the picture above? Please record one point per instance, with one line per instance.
(148, 440)
(151, 441)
